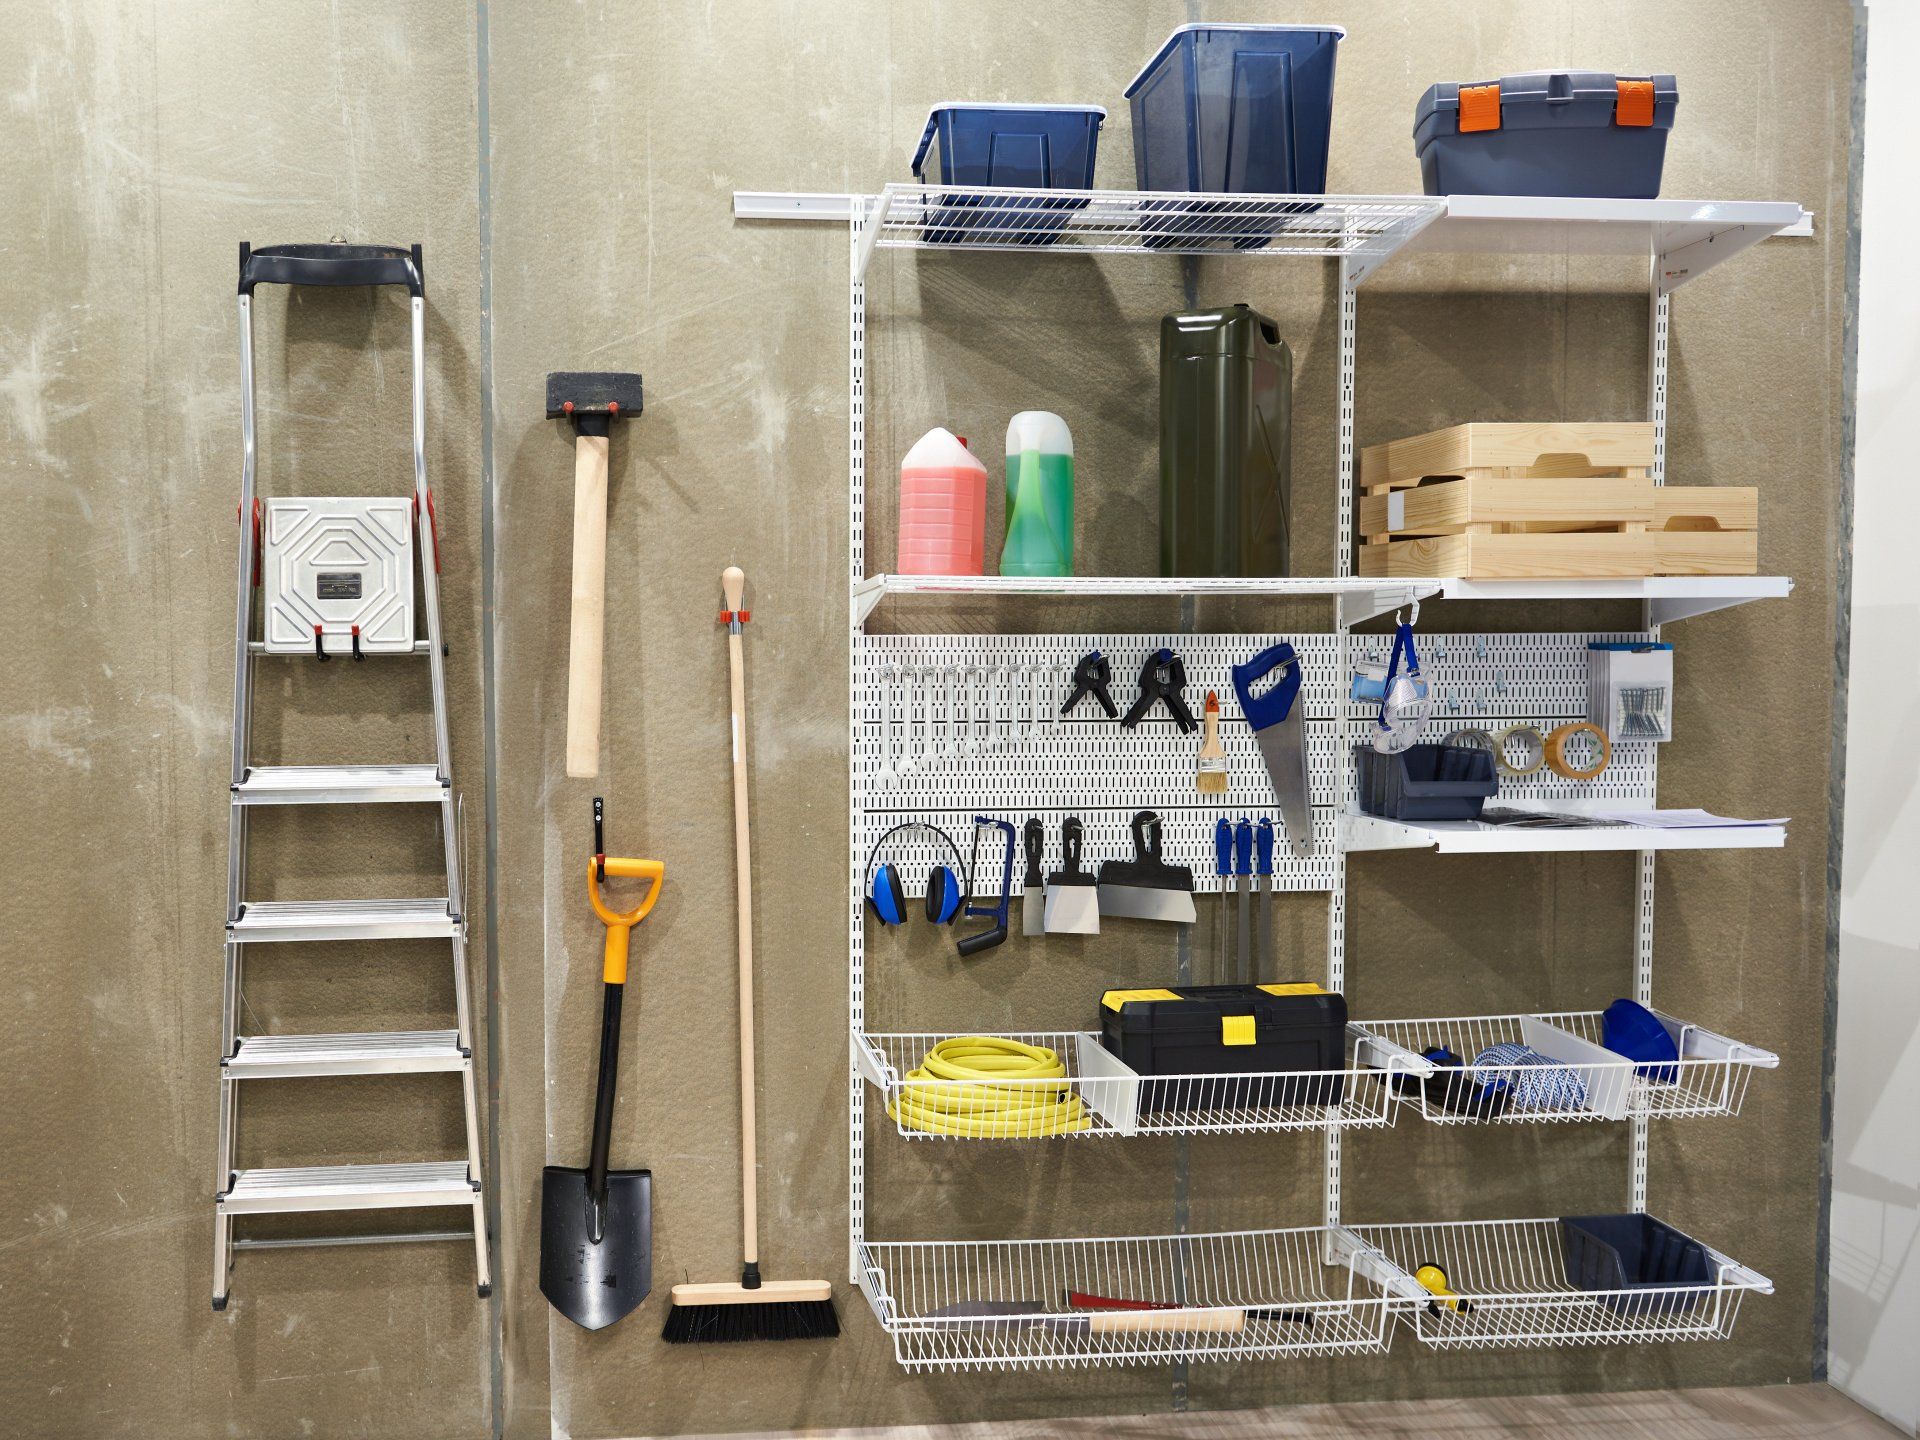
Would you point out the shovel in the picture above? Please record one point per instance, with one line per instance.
(596, 1224)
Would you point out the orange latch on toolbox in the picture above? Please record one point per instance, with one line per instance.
(1479, 107)
(1635, 103)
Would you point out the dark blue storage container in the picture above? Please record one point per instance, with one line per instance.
(1238, 109)
(1020, 147)
(1235, 109)
(1547, 132)
(1424, 782)
(1636, 1253)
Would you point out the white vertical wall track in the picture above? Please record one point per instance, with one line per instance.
(1659, 306)
(857, 563)
(1349, 302)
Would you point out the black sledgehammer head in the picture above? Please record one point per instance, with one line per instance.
(592, 399)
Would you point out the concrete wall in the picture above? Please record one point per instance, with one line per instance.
(1876, 1147)
(140, 148)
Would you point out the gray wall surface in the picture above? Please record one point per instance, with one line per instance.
(138, 146)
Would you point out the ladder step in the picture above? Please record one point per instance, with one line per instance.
(340, 785)
(349, 1187)
(381, 1053)
(267, 920)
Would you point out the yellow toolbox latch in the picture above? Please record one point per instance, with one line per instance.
(1236, 1030)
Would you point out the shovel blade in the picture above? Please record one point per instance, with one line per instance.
(593, 1282)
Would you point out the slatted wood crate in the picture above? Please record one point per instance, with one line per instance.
(1506, 501)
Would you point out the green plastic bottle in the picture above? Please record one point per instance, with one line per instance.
(1039, 496)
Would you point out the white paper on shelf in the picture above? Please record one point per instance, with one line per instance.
(1682, 820)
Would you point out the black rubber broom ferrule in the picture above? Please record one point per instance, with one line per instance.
(750, 1275)
(603, 1097)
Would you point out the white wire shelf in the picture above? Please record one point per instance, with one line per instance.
(1242, 1295)
(1475, 837)
(1100, 1095)
(1357, 599)
(1511, 1281)
(1585, 1082)
(1365, 229)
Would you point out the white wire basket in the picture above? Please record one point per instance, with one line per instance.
(1585, 1081)
(1151, 222)
(1092, 1092)
(1023, 1304)
(1509, 1286)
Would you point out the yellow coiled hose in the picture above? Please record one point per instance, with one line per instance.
(954, 1091)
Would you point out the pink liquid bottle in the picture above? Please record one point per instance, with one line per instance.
(943, 508)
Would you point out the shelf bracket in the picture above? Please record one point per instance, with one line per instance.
(867, 594)
(1356, 606)
(1664, 610)
(876, 217)
(1370, 1263)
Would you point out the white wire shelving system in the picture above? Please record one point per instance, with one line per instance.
(1332, 1288)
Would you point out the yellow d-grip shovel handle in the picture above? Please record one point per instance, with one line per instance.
(620, 923)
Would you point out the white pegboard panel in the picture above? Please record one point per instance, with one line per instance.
(1490, 681)
(1025, 759)
(998, 746)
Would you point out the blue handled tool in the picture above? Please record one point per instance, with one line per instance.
(1243, 867)
(1222, 867)
(1263, 865)
(986, 939)
(1278, 718)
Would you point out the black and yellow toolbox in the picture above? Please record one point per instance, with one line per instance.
(1253, 1032)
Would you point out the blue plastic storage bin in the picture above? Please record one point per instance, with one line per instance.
(1238, 110)
(1424, 782)
(1547, 132)
(1020, 147)
(1632, 1253)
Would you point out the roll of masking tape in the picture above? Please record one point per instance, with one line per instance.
(1557, 750)
(1472, 738)
(1532, 743)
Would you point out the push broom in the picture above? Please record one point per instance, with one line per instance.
(753, 1309)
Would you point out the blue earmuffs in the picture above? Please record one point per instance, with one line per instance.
(887, 894)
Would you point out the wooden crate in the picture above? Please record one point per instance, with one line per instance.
(1534, 450)
(1544, 501)
(1706, 530)
(1497, 527)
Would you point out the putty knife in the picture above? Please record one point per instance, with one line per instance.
(1033, 900)
(1146, 887)
(1073, 898)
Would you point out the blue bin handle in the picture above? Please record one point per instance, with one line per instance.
(1272, 707)
(926, 143)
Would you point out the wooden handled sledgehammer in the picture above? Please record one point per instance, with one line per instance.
(593, 400)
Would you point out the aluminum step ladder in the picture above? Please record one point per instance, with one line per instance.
(331, 1188)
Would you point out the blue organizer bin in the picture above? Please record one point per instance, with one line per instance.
(1238, 110)
(1424, 782)
(1635, 1252)
(1020, 147)
(1547, 132)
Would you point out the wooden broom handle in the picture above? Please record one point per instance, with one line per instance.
(589, 604)
(733, 586)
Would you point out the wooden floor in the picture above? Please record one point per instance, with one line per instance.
(1777, 1412)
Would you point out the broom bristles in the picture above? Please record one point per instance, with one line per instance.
(773, 1320)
